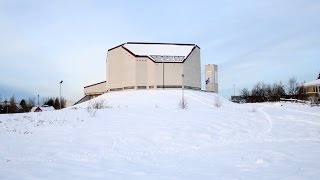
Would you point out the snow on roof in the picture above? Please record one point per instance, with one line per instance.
(161, 52)
(47, 108)
(312, 83)
(42, 108)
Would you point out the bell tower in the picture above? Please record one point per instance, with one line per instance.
(211, 77)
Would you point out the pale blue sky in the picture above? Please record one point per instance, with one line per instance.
(43, 42)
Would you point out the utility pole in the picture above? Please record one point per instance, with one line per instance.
(5, 105)
(234, 90)
(60, 94)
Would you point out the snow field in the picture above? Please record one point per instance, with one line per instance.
(144, 135)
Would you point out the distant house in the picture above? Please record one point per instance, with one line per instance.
(7, 107)
(42, 108)
(19, 108)
(312, 88)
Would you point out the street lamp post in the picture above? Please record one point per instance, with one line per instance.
(5, 105)
(234, 90)
(60, 93)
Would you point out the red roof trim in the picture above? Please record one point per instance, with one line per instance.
(95, 84)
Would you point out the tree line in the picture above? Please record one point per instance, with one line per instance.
(25, 105)
(262, 92)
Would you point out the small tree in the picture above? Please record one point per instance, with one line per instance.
(258, 90)
(63, 102)
(278, 89)
(244, 92)
(183, 103)
(1, 108)
(31, 102)
(217, 102)
(12, 106)
(24, 105)
(49, 102)
(56, 103)
(268, 90)
(319, 76)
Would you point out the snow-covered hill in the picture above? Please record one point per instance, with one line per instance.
(145, 135)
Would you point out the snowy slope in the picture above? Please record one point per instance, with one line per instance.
(144, 135)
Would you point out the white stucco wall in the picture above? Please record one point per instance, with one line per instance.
(173, 74)
(141, 72)
(114, 75)
(192, 69)
(121, 69)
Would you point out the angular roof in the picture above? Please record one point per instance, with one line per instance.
(95, 84)
(160, 52)
(312, 83)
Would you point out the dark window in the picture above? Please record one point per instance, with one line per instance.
(129, 87)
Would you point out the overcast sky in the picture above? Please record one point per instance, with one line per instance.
(43, 42)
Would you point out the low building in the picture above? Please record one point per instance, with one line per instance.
(312, 88)
(7, 107)
(95, 89)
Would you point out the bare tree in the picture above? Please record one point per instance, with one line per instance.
(63, 102)
(268, 90)
(1, 106)
(183, 104)
(12, 106)
(217, 102)
(258, 89)
(56, 104)
(50, 102)
(292, 87)
(278, 89)
(31, 102)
